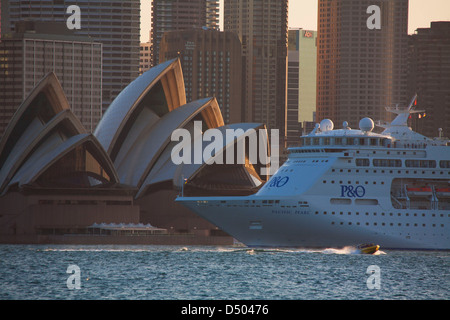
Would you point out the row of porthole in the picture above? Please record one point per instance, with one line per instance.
(349, 182)
(390, 214)
(384, 224)
(391, 171)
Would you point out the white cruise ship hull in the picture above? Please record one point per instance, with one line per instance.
(288, 224)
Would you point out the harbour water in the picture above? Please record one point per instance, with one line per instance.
(49, 272)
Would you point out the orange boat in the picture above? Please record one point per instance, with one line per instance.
(368, 248)
(422, 191)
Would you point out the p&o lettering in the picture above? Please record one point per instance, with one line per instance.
(352, 191)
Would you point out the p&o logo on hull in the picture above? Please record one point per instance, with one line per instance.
(353, 191)
(278, 181)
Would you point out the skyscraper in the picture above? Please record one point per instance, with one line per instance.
(262, 27)
(0, 20)
(211, 62)
(362, 56)
(145, 59)
(302, 65)
(177, 15)
(292, 124)
(29, 54)
(307, 76)
(429, 77)
(114, 23)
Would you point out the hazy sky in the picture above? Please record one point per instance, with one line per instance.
(303, 14)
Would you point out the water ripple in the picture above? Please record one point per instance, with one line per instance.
(171, 272)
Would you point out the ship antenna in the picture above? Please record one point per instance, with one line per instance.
(402, 115)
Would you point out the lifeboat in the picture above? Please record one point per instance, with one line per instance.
(420, 192)
(368, 248)
(443, 192)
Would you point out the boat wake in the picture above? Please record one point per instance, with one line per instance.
(349, 250)
(345, 250)
(247, 250)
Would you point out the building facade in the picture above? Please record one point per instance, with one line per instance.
(301, 92)
(26, 57)
(177, 15)
(0, 20)
(292, 122)
(361, 69)
(307, 77)
(263, 30)
(212, 62)
(429, 77)
(145, 57)
(115, 24)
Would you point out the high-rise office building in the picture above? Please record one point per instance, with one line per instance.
(262, 27)
(211, 62)
(27, 55)
(114, 23)
(301, 92)
(429, 77)
(362, 56)
(307, 48)
(293, 130)
(145, 57)
(177, 15)
(0, 20)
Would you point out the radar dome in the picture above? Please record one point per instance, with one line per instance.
(326, 125)
(366, 124)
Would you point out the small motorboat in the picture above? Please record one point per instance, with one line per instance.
(368, 248)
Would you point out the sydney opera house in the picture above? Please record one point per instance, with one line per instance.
(58, 181)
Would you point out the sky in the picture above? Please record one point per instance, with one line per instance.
(303, 14)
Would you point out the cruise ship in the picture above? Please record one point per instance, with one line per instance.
(343, 187)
